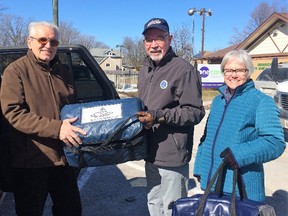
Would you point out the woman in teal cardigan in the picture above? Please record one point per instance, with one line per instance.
(243, 128)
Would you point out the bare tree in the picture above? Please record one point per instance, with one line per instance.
(181, 42)
(13, 30)
(258, 16)
(2, 8)
(90, 42)
(133, 52)
(70, 35)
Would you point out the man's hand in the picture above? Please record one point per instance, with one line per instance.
(68, 133)
(146, 118)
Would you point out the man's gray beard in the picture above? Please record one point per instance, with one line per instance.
(158, 58)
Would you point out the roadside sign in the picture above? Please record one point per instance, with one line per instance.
(211, 75)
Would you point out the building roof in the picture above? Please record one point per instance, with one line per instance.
(103, 52)
(275, 21)
(220, 53)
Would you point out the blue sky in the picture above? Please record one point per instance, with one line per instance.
(111, 21)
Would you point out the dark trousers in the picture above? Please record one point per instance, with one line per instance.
(32, 186)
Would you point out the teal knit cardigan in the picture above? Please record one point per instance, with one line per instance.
(249, 125)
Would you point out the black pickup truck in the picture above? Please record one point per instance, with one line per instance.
(91, 82)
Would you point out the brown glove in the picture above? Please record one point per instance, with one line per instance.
(146, 118)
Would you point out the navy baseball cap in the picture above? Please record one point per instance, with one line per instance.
(158, 23)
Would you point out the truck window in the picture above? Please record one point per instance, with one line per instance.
(6, 59)
(87, 86)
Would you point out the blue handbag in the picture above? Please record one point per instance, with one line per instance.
(217, 203)
(114, 133)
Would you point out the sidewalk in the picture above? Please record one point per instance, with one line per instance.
(276, 183)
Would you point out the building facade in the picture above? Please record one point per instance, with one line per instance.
(268, 41)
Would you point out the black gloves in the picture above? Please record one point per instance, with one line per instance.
(229, 158)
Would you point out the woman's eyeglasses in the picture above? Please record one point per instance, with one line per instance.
(43, 41)
(158, 40)
(228, 72)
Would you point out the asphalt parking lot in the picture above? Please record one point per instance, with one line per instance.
(121, 190)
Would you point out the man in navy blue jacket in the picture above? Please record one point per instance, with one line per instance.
(171, 90)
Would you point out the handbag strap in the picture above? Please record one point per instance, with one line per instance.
(81, 160)
(233, 195)
(220, 175)
(104, 144)
(114, 134)
(220, 181)
(200, 209)
(239, 181)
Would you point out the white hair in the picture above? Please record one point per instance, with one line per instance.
(32, 28)
(240, 56)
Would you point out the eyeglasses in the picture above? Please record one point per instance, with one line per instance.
(43, 41)
(158, 40)
(228, 72)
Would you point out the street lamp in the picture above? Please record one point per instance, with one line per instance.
(202, 12)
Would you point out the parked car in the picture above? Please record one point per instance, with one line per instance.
(267, 79)
(91, 82)
(274, 82)
(281, 99)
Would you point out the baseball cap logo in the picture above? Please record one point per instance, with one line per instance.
(157, 23)
(153, 22)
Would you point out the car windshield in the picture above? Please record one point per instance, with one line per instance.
(266, 75)
(282, 75)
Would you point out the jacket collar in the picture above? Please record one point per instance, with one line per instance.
(238, 91)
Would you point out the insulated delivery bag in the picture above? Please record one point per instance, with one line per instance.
(114, 133)
(218, 203)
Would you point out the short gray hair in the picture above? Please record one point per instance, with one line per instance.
(240, 56)
(32, 28)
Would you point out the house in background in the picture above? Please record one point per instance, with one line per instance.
(111, 62)
(268, 41)
(108, 59)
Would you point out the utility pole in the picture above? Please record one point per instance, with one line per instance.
(55, 12)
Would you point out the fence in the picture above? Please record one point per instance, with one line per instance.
(122, 78)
